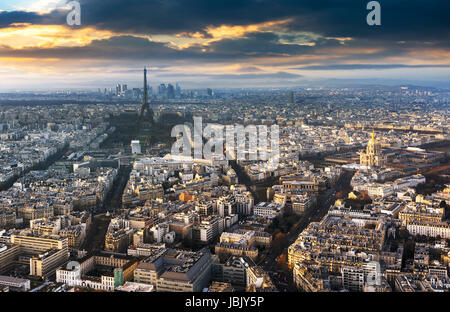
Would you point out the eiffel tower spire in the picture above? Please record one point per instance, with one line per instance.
(145, 100)
(145, 106)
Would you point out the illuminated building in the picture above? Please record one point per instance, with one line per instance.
(373, 156)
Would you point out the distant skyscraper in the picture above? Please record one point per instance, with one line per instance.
(177, 90)
(209, 92)
(162, 90)
(170, 91)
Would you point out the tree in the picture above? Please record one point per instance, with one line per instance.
(364, 195)
(340, 195)
(278, 242)
(282, 259)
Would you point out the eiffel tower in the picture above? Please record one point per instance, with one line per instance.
(145, 108)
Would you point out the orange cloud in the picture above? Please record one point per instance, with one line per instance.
(212, 34)
(227, 31)
(19, 36)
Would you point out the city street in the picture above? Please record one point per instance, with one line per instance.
(281, 277)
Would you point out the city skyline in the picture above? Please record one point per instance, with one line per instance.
(103, 194)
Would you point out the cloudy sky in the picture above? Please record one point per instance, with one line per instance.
(221, 43)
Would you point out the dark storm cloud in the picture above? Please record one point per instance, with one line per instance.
(254, 45)
(56, 17)
(177, 16)
(120, 47)
(407, 25)
(132, 47)
(401, 19)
